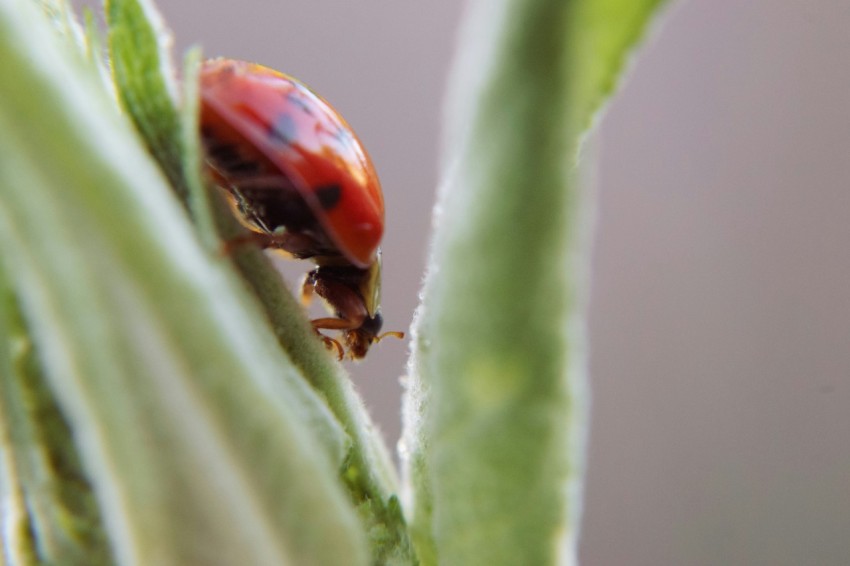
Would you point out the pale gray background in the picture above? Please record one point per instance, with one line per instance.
(720, 314)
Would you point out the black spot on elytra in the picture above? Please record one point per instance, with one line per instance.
(283, 130)
(328, 195)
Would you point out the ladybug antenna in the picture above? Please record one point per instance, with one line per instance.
(393, 333)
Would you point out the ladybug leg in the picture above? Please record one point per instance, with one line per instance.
(331, 324)
(229, 247)
(328, 323)
(291, 243)
(345, 301)
(331, 344)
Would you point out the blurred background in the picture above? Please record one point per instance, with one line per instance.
(720, 314)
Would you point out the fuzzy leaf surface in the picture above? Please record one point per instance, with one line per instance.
(202, 442)
(495, 411)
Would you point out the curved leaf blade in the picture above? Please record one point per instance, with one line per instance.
(64, 523)
(140, 60)
(202, 442)
(495, 409)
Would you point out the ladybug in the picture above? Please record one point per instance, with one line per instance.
(301, 183)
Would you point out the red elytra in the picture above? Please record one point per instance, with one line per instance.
(277, 120)
(302, 183)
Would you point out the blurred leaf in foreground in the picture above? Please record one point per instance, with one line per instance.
(63, 523)
(202, 442)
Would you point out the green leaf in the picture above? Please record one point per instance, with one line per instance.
(366, 469)
(139, 54)
(202, 442)
(199, 197)
(604, 36)
(495, 409)
(59, 519)
(61, 16)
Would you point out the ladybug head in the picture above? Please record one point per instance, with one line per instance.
(358, 340)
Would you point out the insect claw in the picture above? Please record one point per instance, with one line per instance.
(332, 344)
